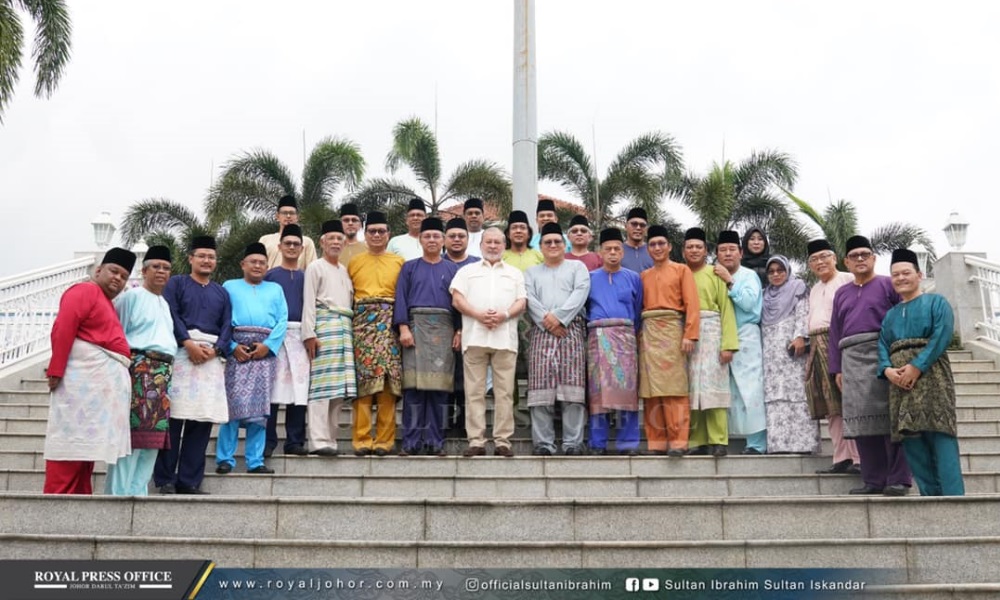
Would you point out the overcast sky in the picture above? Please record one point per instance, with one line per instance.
(892, 105)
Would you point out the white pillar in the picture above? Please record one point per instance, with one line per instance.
(525, 172)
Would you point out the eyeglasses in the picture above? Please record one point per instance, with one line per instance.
(291, 244)
(551, 242)
(657, 244)
(815, 258)
(457, 236)
(204, 256)
(637, 224)
(578, 230)
(860, 256)
(379, 231)
(287, 213)
(776, 271)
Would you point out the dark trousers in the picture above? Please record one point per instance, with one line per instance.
(423, 420)
(295, 426)
(183, 464)
(882, 462)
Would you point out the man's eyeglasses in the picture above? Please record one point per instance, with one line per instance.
(376, 231)
(204, 256)
(815, 258)
(637, 224)
(860, 256)
(659, 244)
(287, 213)
(552, 242)
(578, 230)
(292, 244)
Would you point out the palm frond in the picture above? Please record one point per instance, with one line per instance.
(232, 246)
(178, 253)
(252, 181)
(895, 235)
(11, 43)
(52, 42)
(625, 187)
(332, 162)
(713, 197)
(478, 179)
(806, 209)
(381, 194)
(414, 144)
(840, 222)
(562, 159)
(156, 215)
(647, 152)
(763, 169)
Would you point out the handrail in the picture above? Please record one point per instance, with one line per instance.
(986, 276)
(975, 261)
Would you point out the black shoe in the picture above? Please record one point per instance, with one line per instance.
(268, 452)
(168, 488)
(719, 451)
(599, 451)
(895, 490)
(224, 468)
(191, 491)
(363, 452)
(296, 451)
(325, 452)
(381, 452)
(751, 452)
(853, 470)
(261, 470)
(675, 453)
(540, 451)
(573, 451)
(632, 452)
(837, 468)
(698, 451)
(866, 490)
(657, 453)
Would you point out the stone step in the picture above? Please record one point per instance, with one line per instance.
(977, 387)
(919, 564)
(538, 520)
(978, 376)
(976, 399)
(960, 355)
(988, 413)
(966, 366)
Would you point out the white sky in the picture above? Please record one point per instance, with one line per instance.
(892, 105)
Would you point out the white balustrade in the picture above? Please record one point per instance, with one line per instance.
(28, 306)
(986, 276)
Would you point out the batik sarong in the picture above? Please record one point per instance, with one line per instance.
(198, 392)
(558, 366)
(89, 411)
(822, 392)
(612, 372)
(709, 380)
(291, 382)
(930, 405)
(866, 397)
(376, 348)
(149, 418)
(331, 375)
(430, 364)
(663, 366)
(746, 384)
(249, 384)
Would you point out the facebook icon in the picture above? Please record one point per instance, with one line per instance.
(632, 584)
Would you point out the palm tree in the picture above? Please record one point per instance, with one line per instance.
(51, 47)
(252, 183)
(744, 195)
(633, 178)
(839, 221)
(415, 146)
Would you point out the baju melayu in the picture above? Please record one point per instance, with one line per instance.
(406, 245)
(376, 349)
(637, 259)
(709, 380)
(747, 416)
(350, 251)
(557, 371)
(855, 324)
(423, 303)
(670, 315)
(271, 242)
(326, 316)
(593, 260)
(822, 393)
(202, 313)
(291, 384)
(260, 316)
(149, 330)
(614, 309)
(456, 404)
(88, 411)
(918, 332)
(475, 243)
(523, 261)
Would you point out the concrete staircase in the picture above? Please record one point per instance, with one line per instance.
(603, 512)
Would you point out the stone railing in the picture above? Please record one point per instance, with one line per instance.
(986, 276)
(28, 306)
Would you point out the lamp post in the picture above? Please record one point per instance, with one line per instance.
(922, 256)
(104, 229)
(139, 249)
(955, 230)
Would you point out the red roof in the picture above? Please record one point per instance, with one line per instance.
(455, 210)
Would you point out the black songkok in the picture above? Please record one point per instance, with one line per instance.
(657, 231)
(544, 205)
(255, 248)
(287, 201)
(551, 229)
(819, 245)
(611, 234)
(517, 216)
(121, 257)
(416, 204)
(456, 223)
(473, 203)
(333, 226)
(202, 241)
(696, 233)
(579, 220)
(158, 253)
(376, 217)
(431, 224)
(728, 237)
(637, 213)
(349, 208)
(905, 255)
(291, 229)
(857, 241)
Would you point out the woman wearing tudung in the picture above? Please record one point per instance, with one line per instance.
(756, 253)
(784, 328)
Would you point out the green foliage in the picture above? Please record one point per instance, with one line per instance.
(51, 48)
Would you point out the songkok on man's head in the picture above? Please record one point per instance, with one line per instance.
(349, 208)
(657, 231)
(905, 255)
(291, 230)
(158, 253)
(332, 226)
(416, 204)
(637, 213)
(473, 203)
(857, 241)
(728, 237)
(431, 224)
(545, 205)
(202, 241)
(287, 201)
(255, 248)
(819, 245)
(456, 223)
(695, 233)
(517, 216)
(579, 220)
(551, 229)
(121, 257)
(611, 234)
(376, 217)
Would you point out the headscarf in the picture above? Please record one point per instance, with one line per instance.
(756, 262)
(780, 301)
